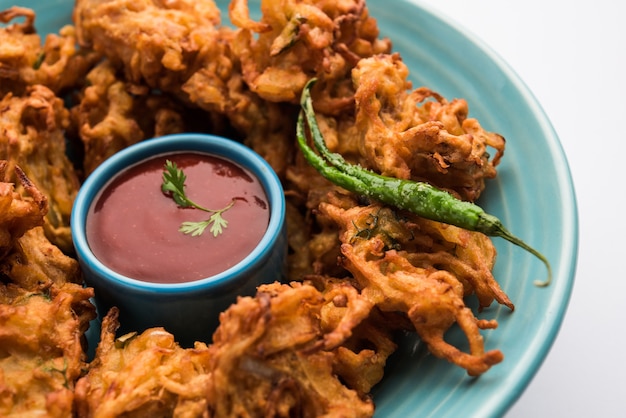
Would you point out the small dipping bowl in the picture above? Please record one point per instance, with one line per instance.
(189, 310)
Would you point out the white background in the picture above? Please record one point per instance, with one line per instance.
(572, 56)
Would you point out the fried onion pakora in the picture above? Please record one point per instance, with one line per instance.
(109, 118)
(43, 315)
(404, 135)
(298, 40)
(156, 43)
(377, 245)
(57, 64)
(182, 52)
(27, 258)
(269, 359)
(41, 348)
(285, 352)
(360, 335)
(32, 135)
(146, 374)
(18, 214)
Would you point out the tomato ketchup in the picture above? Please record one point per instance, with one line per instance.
(133, 227)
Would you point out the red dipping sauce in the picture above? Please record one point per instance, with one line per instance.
(133, 227)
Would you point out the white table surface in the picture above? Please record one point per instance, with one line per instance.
(572, 56)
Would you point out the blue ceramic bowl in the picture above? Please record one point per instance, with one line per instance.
(188, 310)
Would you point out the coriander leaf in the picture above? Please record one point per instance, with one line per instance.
(173, 185)
(218, 223)
(195, 228)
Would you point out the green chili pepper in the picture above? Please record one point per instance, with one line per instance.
(40, 59)
(420, 198)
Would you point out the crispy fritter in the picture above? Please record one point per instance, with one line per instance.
(24, 61)
(269, 62)
(280, 354)
(35, 262)
(43, 314)
(18, 214)
(297, 40)
(377, 245)
(20, 49)
(156, 43)
(144, 375)
(41, 350)
(403, 134)
(32, 136)
(268, 359)
(219, 88)
(360, 337)
(179, 51)
(109, 118)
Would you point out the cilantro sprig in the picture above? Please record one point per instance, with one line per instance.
(174, 186)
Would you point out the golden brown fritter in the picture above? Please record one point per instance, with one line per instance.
(268, 359)
(32, 136)
(41, 348)
(25, 61)
(269, 61)
(359, 335)
(143, 375)
(18, 214)
(297, 40)
(181, 51)
(403, 134)
(377, 246)
(155, 42)
(20, 48)
(109, 118)
(44, 312)
(285, 352)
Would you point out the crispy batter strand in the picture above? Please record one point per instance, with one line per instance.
(17, 214)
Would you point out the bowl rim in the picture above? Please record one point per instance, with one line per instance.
(174, 143)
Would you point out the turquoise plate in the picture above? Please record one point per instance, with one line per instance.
(533, 194)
